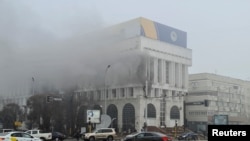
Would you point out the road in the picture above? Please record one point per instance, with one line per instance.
(73, 139)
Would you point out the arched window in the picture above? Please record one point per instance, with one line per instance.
(151, 111)
(128, 117)
(174, 113)
(113, 113)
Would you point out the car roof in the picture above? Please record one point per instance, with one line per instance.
(4, 130)
(5, 133)
(153, 132)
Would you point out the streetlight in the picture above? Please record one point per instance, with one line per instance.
(33, 82)
(105, 93)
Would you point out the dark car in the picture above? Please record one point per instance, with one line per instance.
(188, 136)
(58, 136)
(147, 136)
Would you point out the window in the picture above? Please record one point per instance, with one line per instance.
(99, 94)
(167, 72)
(162, 111)
(114, 93)
(174, 113)
(156, 92)
(128, 117)
(26, 135)
(183, 75)
(106, 130)
(122, 92)
(16, 135)
(91, 95)
(151, 111)
(140, 135)
(149, 135)
(131, 91)
(151, 69)
(159, 71)
(176, 74)
(107, 93)
(99, 131)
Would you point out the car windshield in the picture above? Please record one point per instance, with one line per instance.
(134, 133)
(94, 131)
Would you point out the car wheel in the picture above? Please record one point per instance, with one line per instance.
(110, 138)
(91, 139)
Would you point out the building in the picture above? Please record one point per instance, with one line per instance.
(155, 74)
(17, 95)
(216, 99)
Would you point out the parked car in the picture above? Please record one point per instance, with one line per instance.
(6, 130)
(40, 134)
(58, 136)
(147, 136)
(188, 136)
(108, 134)
(17, 136)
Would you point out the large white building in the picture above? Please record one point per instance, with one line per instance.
(156, 75)
(18, 95)
(216, 99)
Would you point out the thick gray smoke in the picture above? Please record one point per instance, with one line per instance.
(56, 52)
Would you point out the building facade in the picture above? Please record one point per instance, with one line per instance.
(216, 99)
(155, 86)
(17, 95)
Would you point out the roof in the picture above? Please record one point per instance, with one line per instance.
(150, 29)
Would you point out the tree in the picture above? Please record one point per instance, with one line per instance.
(44, 115)
(40, 112)
(10, 114)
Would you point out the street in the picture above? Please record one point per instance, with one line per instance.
(118, 139)
(74, 139)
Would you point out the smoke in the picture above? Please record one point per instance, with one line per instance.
(55, 47)
(34, 45)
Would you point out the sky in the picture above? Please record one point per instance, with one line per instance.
(38, 38)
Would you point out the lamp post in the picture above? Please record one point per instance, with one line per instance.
(33, 82)
(105, 93)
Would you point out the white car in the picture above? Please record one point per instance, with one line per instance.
(107, 134)
(17, 136)
(6, 130)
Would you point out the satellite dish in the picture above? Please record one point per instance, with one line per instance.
(105, 122)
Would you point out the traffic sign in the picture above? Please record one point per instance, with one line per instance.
(49, 99)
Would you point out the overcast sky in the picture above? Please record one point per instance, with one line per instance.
(218, 32)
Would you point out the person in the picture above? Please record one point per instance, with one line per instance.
(77, 134)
